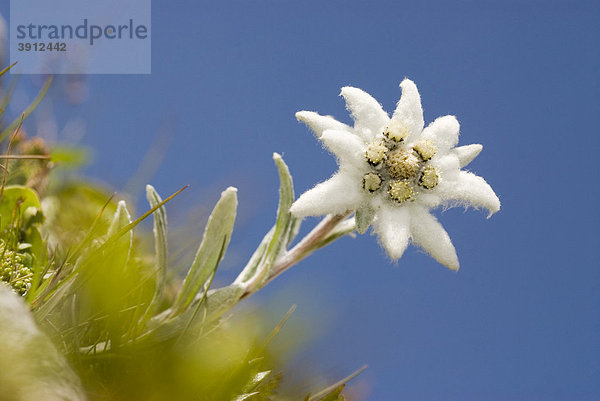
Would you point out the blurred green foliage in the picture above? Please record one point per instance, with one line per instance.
(129, 330)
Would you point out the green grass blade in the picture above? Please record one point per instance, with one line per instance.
(7, 68)
(335, 395)
(42, 93)
(332, 392)
(8, 92)
(276, 330)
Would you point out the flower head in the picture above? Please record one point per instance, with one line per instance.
(392, 171)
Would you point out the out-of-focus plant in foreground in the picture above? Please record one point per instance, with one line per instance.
(89, 313)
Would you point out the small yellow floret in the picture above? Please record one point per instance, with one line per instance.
(395, 132)
(375, 152)
(425, 148)
(400, 191)
(430, 177)
(372, 182)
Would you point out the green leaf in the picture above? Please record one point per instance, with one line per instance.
(16, 198)
(160, 246)
(221, 300)
(88, 196)
(134, 223)
(255, 260)
(38, 245)
(59, 289)
(106, 267)
(214, 243)
(261, 386)
(284, 222)
(259, 378)
(121, 219)
(107, 277)
(364, 217)
(246, 397)
(256, 272)
(203, 310)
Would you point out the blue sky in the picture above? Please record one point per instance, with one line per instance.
(521, 319)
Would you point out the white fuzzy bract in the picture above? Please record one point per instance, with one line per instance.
(392, 171)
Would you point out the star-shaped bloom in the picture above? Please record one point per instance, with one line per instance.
(392, 171)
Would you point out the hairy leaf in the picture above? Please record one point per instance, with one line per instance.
(121, 219)
(256, 272)
(160, 246)
(214, 243)
(364, 217)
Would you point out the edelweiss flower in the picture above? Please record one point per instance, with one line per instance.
(392, 171)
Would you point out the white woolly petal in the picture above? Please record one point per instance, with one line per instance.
(349, 148)
(429, 199)
(369, 117)
(340, 193)
(443, 132)
(319, 123)
(392, 226)
(469, 190)
(467, 153)
(409, 112)
(448, 166)
(429, 234)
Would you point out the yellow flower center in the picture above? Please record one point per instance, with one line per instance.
(403, 170)
(403, 164)
(400, 191)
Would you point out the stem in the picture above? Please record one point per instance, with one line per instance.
(306, 246)
(44, 157)
(314, 240)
